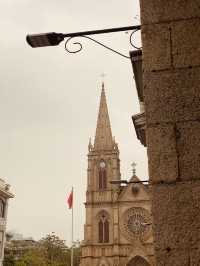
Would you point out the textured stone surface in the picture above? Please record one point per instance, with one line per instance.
(163, 161)
(177, 257)
(168, 10)
(189, 137)
(171, 62)
(169, 45)
(189, 166)
(161, 139)
(186, 43)
(163, 167)
(188, 148)
(174, 151)
(194, 257)
(172, 96)
(176, 209)
(156, 47)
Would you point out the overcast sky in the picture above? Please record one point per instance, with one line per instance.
(48, 108)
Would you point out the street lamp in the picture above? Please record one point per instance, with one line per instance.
(44, 39)
(116, 182)
(53, 38)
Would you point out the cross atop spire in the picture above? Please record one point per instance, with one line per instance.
(103, 76)
(103, 138)
(134, 168)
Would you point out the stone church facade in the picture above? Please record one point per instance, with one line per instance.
(118, 227)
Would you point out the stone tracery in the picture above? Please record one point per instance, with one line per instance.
(136, 223)
(103, 227)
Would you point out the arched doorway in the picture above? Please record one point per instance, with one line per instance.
(138, 261)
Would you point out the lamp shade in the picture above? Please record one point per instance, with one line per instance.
(44, 39)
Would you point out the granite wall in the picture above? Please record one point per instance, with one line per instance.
(171, 75)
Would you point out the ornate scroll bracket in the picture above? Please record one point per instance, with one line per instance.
(79, 45)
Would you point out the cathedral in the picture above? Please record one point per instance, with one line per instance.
(118, 227)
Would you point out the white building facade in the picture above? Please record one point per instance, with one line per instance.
(5, 195)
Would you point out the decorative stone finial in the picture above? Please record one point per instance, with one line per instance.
(90, 145)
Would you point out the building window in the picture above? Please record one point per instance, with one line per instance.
(2, 208)
(103, 225)
(102, 175)
(100, 231)
(102, 179)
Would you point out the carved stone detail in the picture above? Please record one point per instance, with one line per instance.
(136, 224)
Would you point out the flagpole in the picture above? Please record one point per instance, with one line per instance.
(72, 247)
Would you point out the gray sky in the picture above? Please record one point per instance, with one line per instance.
(48, 108)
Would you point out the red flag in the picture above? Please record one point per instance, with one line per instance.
(70, 199)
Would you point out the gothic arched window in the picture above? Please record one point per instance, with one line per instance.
(103, 226)
(102, 175)
(101, 231)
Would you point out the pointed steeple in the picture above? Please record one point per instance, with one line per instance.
(103, 138)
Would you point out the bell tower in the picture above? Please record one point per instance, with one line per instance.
(103, 167)
(103, 155)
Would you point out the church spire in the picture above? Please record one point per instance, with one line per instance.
(103, 138)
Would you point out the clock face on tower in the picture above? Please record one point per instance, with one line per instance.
(102, 164)
(136, 224)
